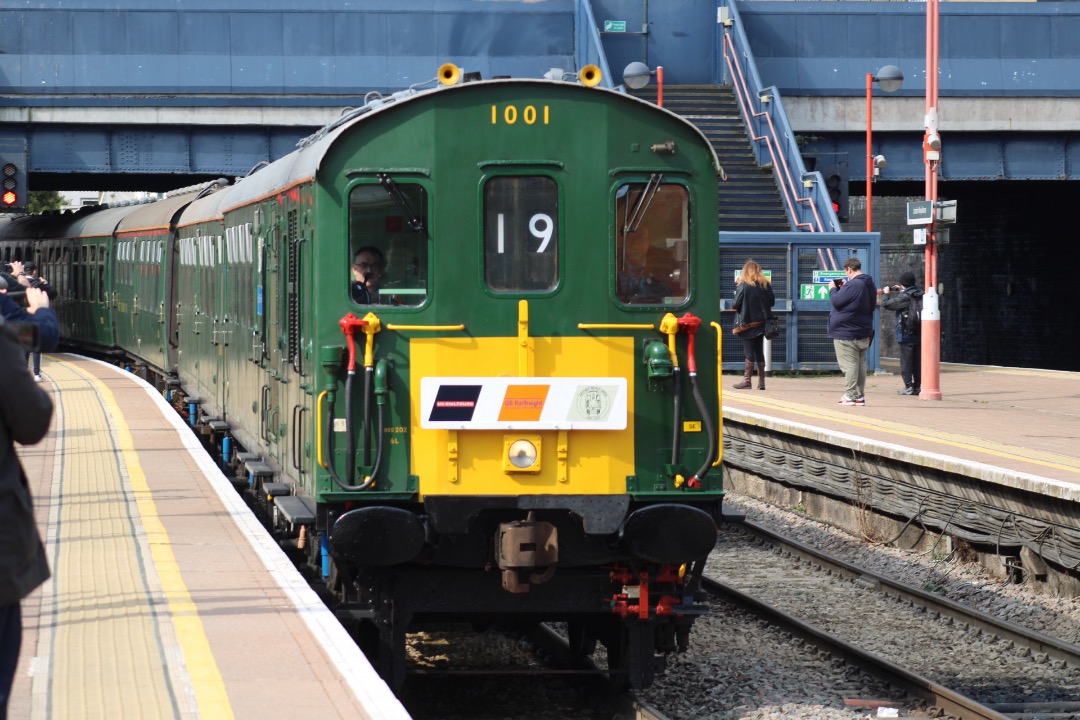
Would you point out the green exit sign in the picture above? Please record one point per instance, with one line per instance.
(813, 292)
(614, 26)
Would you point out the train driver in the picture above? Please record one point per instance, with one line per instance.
(368, 266)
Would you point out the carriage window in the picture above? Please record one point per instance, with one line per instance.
(521, 234)
(388, 249)
(652, 237)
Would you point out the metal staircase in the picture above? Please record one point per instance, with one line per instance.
(749, 200)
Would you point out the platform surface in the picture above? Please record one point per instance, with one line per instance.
(168, 599)
(1015, 422)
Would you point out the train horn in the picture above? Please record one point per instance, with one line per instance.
(449, 74)
(590, 76)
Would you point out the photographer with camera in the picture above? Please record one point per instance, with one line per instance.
(33, 316)
(25, 415)
(33, 276)
(902, 299)
(851, 327)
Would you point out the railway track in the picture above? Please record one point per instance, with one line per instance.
(922, 643)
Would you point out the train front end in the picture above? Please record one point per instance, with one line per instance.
(518, 406)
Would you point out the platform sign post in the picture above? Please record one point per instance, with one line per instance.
(920, 212)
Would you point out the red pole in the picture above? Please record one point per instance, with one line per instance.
(931, 317)
(660, 86)
(869, 150)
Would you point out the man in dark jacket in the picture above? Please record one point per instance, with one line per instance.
(851, 327)
(37, 311)
(25, 415)
(898, 298)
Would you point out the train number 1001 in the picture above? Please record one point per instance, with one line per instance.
(530, 114)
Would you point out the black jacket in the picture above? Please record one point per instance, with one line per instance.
(25, 415)
(898, 302)
(753, 303)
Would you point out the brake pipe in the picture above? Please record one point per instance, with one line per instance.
(370, 327)
(669, 325)
(349, 324)
(690, 323)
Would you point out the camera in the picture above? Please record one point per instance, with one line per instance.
(838, 281)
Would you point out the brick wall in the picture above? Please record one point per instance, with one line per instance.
(1006, 277)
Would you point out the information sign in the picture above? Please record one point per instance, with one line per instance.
(813, 292)
(766, 273)
(827, 276)
(614, 26)
(920, 212)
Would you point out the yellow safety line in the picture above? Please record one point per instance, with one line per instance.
(959, 441)
(206, 680)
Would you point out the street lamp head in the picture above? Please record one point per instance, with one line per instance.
(636, 75)
(889, 78)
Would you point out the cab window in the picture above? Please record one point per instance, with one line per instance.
(521, 234)
(652, 238)
(388, 250)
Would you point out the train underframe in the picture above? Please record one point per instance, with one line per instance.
(634, 589)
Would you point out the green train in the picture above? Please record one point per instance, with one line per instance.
(466, 340)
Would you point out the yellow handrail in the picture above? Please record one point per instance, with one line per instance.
(400, 328)
(319, 427)
(616, 326)
(719, 394)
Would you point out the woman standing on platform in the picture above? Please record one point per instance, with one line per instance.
(753, 304)
(25, 414)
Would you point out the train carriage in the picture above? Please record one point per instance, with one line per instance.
(521, 423)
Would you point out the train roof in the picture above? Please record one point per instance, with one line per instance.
(303, 164)
(160, 214)
(99, 222)
(35, 227)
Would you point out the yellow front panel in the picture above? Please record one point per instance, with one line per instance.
(595, 461)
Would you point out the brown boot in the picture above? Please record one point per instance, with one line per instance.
(748, 376)
(761, 376)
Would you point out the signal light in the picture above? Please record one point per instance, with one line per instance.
(10, 196)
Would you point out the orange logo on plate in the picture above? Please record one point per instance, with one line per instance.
(523, 402)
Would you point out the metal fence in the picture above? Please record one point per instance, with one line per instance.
(799, 264)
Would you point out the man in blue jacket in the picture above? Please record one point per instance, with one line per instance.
(37, 311)
(851, 327)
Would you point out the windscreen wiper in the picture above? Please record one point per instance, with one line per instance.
(641, 206)
(414, 220)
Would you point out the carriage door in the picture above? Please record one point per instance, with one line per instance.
(273, 251)
(217, 305)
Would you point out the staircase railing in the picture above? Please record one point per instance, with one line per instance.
(769, 131)
(587, 46)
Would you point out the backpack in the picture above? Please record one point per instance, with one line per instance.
(911, 317)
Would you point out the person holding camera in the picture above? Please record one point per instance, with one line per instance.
(33, 277)
(25, 415)
(899, 299)
(34, 307)
(851, 327)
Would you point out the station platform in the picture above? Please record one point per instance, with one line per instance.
(1005, 423)
(168, 599)
(993, 464)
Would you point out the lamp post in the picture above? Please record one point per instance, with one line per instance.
(890, 78)
(636, 76)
